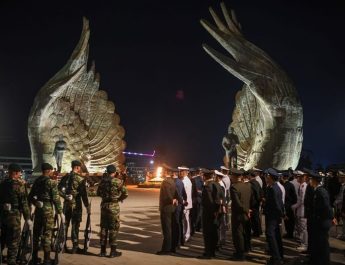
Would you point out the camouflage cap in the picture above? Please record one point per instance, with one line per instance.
(46, 166)
(111, 169)
(14, 168)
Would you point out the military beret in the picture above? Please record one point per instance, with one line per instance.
(46, 166)
(236, 172)
(252, 172)
(14, 168)
(76, 163)
(111, 169)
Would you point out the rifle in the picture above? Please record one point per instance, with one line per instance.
(87, 231)
(25, 246)
(59, 239)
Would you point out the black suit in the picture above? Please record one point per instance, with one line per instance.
(308, 209)
(321, 222)
(241, 194)
(290, 199)
(177, 221)
(255, 207)
(274, 211)
(197, 184)
(167, 194)
(210, 201)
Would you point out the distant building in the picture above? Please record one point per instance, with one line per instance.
(138, 164)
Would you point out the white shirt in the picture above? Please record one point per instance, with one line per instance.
(258, 179)
(188, 187)
(296, 184)
(227, 183)
(299, 205)
(283, 191)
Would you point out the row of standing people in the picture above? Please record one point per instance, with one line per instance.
(245, 196)
(45, 195)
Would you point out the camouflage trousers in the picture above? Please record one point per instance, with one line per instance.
(43, 228)
(110, 223)
(73, 214)
(10, 235)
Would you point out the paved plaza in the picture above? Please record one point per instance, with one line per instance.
(140, 237)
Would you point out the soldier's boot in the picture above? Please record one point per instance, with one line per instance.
(47, 260)
(103, 251)
(34, 258)
(114, 253)
(74, 249)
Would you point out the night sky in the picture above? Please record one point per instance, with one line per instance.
(171, 96)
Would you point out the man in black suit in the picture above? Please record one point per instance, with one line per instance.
(290, 199)
(274, 212)
(177, 230)
(211, 203)
(308, 209)
(197, 184)
(257, 195)
(240, 194)
(321, 222)
(167, 205)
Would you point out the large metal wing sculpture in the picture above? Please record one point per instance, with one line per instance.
(268, 116)
(71, 106)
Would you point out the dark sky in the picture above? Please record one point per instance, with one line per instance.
(146, 51)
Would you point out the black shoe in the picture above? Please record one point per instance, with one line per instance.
(238, 257)
(205, 256)
(74, 250)
(103, 251)
(163, 252)
(114, 253)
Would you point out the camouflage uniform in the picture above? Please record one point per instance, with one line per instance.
(44, 190)
(75, 185)
(112, 192)
(13, 193)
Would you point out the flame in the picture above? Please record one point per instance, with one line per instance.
(158, 177)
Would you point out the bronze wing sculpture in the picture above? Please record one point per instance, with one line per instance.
(268, 116)
(70, 105)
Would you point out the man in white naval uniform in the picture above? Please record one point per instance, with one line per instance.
(188, 187)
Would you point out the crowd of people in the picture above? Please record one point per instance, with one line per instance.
(303, 203)
(44, 197)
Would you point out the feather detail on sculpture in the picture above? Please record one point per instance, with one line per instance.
(71, 105)
(268, 116)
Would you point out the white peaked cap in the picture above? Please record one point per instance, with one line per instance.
(183, 168)
(257, 169)
(224, 168)
(298, 172)
(219, 173)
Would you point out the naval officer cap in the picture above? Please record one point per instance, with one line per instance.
(14, 168)
(298, 173)
(224, 168)
(255, 169)
(218, 173)
(111, 169)
(183, 168)
(273, 173)
(236, 172)
(76, 163)
(46, 166)
(341, 173)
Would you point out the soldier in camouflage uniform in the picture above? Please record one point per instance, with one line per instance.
(13, 203)
(44, 195)
(112, 191)
(72, 188)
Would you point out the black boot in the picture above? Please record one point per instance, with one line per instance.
(47, 260)
(114, 253)
(34, 258)
(74, 249)
(103, 251)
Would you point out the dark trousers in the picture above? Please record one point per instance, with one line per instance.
(196, 217)
(310, 235)
(290, 222)
(319, 249)
(240, 228)
(210, 233)
(256, 222)
(274, 239)
(177, 228)
(166, 222)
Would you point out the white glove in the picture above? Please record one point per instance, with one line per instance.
(62, 217)
(39, 204)
(69, 197)
(30, 224)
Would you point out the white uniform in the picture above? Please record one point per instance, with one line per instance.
(283, 191)
(258, 179)
(186, 222)
(301, 222)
